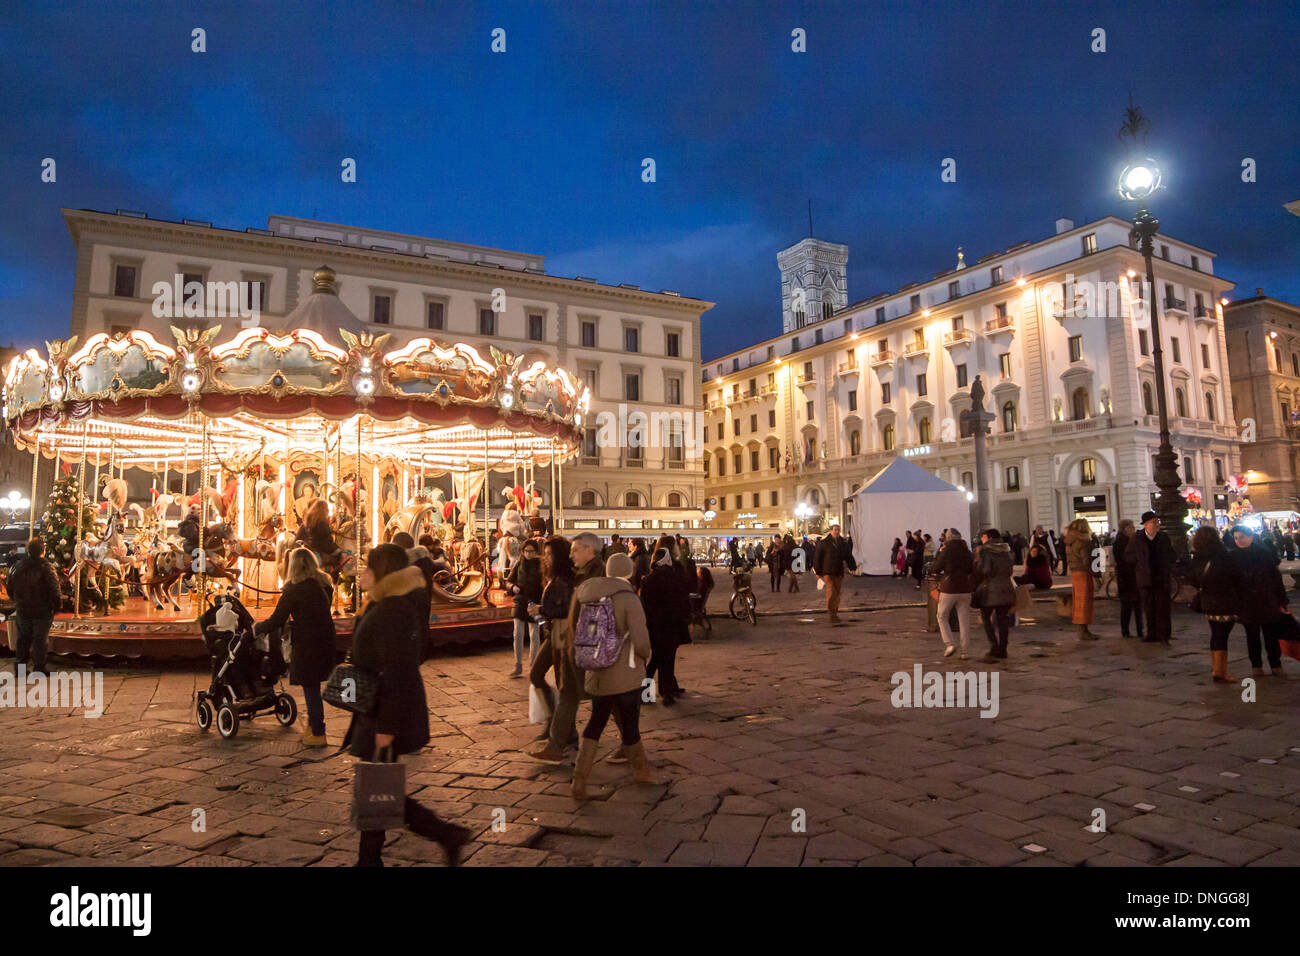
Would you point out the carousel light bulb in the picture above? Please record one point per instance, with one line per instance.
(507, 400)
(577, 419)
(13, 498)
(56, 391)
(191, 381)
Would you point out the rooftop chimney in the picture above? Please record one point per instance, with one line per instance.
(1064, 225)
(1259, 292)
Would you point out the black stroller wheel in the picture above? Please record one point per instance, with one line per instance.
(204, 714)
(227, 720)
(286, 710)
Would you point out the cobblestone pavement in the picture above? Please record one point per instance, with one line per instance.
(790, 715)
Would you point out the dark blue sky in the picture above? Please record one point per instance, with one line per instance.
(539, 149)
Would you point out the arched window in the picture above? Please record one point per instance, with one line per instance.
(1009, 417)
(632, 499)
(968, 480)
(1209, 406)
(799, 318)
(855, 442)
(923, 431)
(674, 499)
(887, 437)
(1013, 478)
(814, 496)
(828, 308)
(587, 499)
(1079, 404)
(1148, 403)
(1180, 403)
(810, 449)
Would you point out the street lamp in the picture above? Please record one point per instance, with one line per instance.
(803, 513)
(14, 503)
(1137, 183)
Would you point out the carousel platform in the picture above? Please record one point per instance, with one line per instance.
(138, 630)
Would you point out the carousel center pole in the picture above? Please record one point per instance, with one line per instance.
(356, 521)
(487, 480)
(81, 511)
(36, 464)
(202, 556)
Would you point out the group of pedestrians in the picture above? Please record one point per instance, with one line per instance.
(980, 580)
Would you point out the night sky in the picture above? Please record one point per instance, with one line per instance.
(539, 149)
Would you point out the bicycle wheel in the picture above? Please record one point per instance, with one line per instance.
(751, 604)
(737, 608)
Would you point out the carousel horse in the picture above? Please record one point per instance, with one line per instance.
(161, 563)
(94, 555)
(261, 547)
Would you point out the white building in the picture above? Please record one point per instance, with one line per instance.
(1055, 329)
(635, 348)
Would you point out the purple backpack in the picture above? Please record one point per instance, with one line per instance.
(596, 641)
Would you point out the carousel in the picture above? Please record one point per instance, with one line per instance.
(190, 468)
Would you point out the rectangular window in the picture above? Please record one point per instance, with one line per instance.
(589, 447)
(959, 323)
(918, 337)
(884, 393)
(882, 346)
(771, 354)
(915, 303)
(487, 322)
(921, 388)
(740, 502)
(536, 327)
(1076, 348)
(1089, 243)
(1088, 471)
(673, 345)
(880, 315)
(1196, 264)
(808, 409)
(592, 377)
(775, 498)
(807, 370)
(853, 400)
(255, 296)
(1144, 345)
(735, 460)
(753, 423)
(961, 375)
(771, 418)
(1164, 252)
(435, 316)
(1178, 358)
(794, 344)
(735, 427)
(706, 434)
(381, 310)
(753, 461)
(995, 275)
(817, 337)
(1004, 362)
(673, 391)
(632, 386)
(631, 339)
(1205, 356)
(588, 335)
(722, 472)
(954, 290)
(124, 282)
(1013, 478)
(1001, 309)
(754, 498)
(773, 458)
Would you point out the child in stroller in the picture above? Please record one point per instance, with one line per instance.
(243, 674)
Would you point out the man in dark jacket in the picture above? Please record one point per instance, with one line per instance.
(1261, 597)
(35, 591)
(1153, 559)
(640, 562)
(585, 551)
(833, 557)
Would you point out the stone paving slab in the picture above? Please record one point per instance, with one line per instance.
(786, 751)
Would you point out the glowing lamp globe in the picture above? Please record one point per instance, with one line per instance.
(1139, 180)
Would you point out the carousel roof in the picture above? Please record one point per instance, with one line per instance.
(433, 405)
(323, 311)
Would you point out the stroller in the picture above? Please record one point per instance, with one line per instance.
(243, 676)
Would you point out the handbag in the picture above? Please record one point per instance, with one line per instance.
(538, 712)
(352, 688)
(379, 794)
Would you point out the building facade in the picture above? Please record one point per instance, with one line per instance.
(637, 350)
(1057, 331)
(1263, 336)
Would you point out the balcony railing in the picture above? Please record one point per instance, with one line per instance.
(882, 357)
(1175, 305)
(1078, 310)
(957, 337)
(806, 380)
(1205, 313)
(849, 367)
(1000, 323)
(767, 390)
(916, 348)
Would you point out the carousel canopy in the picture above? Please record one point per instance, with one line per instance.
(439, 407)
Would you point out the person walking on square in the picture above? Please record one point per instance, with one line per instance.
(916, 558)
(585, 551)
(774, 564)
(616, 690)
(1125, 560)
(955, 568)
(386, 643)
(305, 601)
(524, 581)
(1218, 585)
(35, 592)
(893, 557)
(994, 593)
(557, 596)
(787, 563)
(1078, 555)
(665, 598)
(832, 559)
(1262, 599)
(1153, 558)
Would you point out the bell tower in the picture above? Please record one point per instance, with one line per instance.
(814, 283)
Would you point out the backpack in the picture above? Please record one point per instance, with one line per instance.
(596, 641)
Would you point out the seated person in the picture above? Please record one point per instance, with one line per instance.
(316, 534)
(1038, 570)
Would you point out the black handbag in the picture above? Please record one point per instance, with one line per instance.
(353, 689)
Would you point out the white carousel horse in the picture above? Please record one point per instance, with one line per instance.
(161, 562)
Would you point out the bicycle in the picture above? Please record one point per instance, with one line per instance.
(743, 602)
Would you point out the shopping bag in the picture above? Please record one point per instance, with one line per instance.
(1287, 629)
(537, 711)
(379, 796)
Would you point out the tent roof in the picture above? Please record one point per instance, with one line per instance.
(902, 475)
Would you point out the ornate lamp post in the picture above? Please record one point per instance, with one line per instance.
(1138, 183)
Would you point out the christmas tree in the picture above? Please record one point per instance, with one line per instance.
(59, 529)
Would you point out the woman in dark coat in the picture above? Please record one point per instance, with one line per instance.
(557, 597)
(305, 601)
(667, 603)
(1218, 584)
(787, 562)
(1261, 598)
(995, 594)
(773, 557)
(916, 557)
(386, 643)
(1038, 573)
(524, 581)
(893, 557)
(1125, 559)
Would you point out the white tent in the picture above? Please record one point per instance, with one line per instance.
(902, 497)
